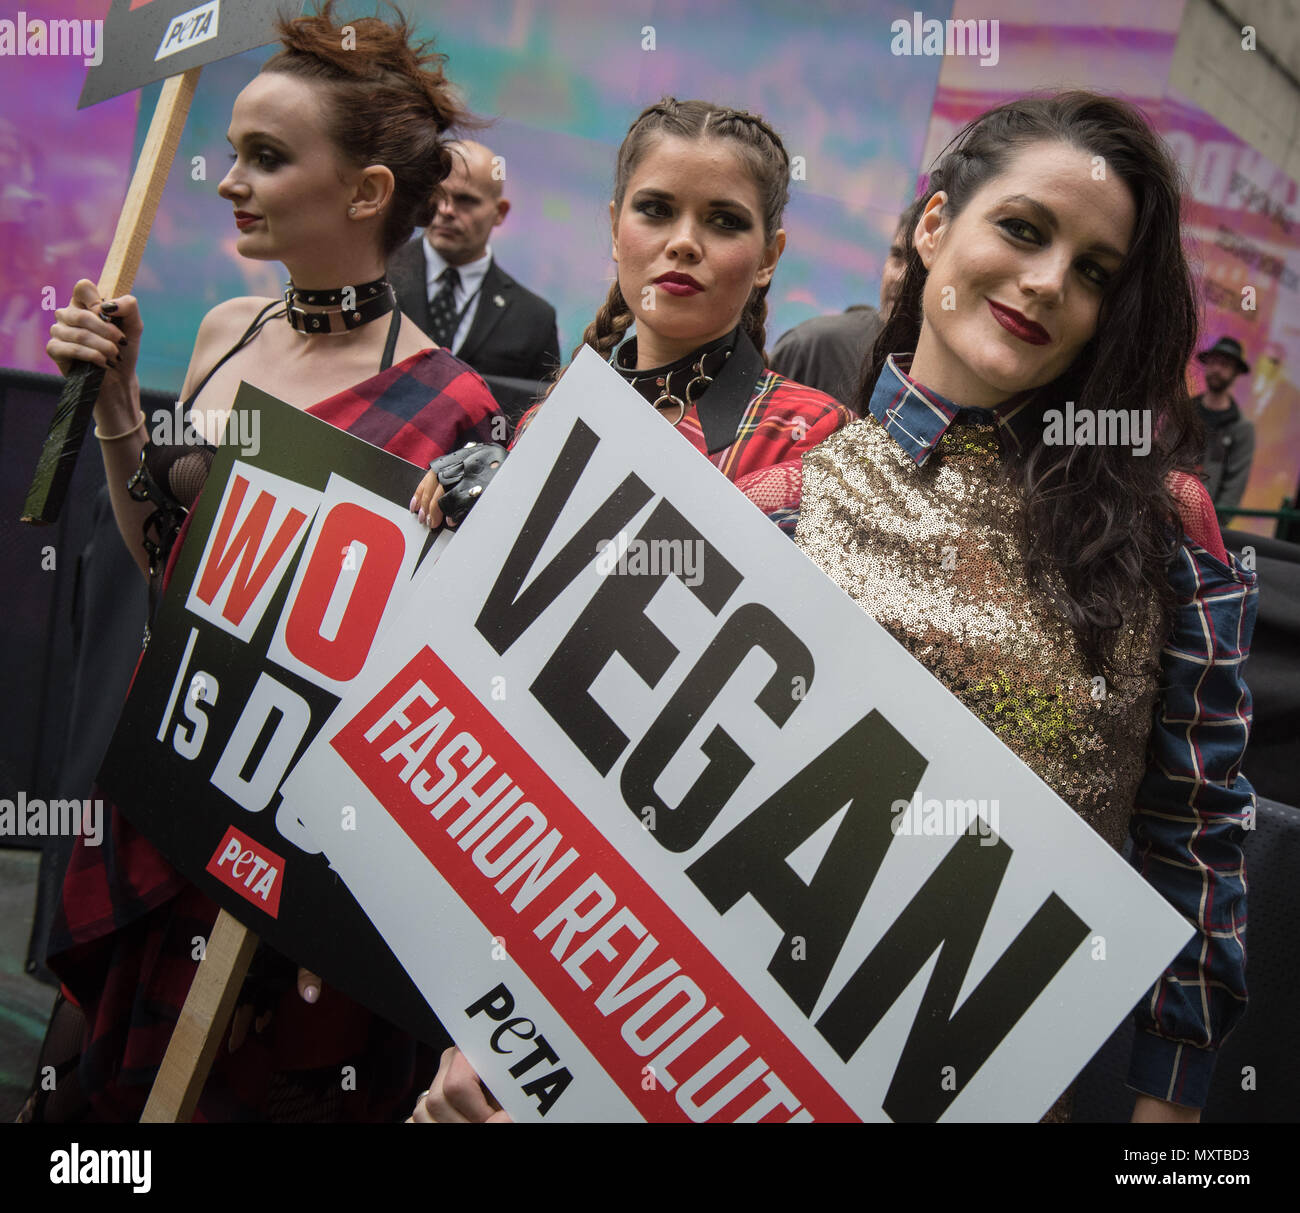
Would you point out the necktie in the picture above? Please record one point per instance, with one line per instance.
(443, 317)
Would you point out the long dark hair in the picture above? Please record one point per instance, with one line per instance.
(1098, 533)
(385, 101)
(763, 150)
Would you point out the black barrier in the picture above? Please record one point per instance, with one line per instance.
(1258, 1071)
(1272, 761)
(75, 610)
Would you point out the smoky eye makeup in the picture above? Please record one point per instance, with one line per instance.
(653, 206)
(256, 143)
(1018, 228)
(734, 221)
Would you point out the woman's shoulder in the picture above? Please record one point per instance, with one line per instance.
(235, 313)
(224, 324)
(789, 393)
(440, 372)
(1196, 513)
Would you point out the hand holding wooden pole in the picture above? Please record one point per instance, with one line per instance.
(67, 430)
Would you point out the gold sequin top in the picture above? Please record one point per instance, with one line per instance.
(922, 535)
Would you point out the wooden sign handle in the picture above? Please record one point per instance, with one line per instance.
(202, 1025)
(67, 430)
(147, 183)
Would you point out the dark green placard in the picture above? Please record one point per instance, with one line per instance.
(171, 799)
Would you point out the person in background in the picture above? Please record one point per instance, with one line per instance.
(827, 352)
(449, 282)
(1229, 437)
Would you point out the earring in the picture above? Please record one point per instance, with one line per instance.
(352, 210)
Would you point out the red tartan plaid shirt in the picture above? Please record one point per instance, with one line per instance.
(755, 425)
(420, 408)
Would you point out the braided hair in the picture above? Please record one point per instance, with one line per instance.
(762, 150)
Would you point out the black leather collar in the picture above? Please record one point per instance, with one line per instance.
(721, 406)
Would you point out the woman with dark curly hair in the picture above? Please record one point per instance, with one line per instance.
(339, 149)
(1014, 508)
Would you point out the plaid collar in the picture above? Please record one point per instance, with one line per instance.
(916, 417)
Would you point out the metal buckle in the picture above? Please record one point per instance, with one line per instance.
(669, 398)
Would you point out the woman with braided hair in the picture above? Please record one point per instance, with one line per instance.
(699, 192)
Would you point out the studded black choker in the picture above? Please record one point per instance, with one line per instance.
(346, 308)
(677, 384)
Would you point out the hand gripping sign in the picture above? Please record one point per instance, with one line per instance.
(626, 816)
(299, 549)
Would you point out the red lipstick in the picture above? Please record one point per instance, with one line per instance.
(243, 219)
(1018, 325)
(678, 284)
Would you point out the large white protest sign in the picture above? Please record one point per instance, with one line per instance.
(665, 827)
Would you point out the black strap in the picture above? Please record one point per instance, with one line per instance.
(249, 333)
(259, 322)
(394, 327)
(723, 405)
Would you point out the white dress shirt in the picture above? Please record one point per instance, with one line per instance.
(467, 292)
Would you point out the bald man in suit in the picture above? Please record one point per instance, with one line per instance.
(477, 311)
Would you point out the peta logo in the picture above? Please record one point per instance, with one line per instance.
(189, 29)
(250, 869)
(90, 1166)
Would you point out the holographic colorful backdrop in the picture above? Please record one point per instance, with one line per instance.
(563, 79)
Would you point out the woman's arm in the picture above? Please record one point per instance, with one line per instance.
(1192, 810)
(81, 334)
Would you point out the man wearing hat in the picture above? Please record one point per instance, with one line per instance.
(1230, 438)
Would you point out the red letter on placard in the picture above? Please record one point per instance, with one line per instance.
(244, 547)
(342, 657)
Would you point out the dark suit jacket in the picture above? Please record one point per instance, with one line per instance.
(513, 335)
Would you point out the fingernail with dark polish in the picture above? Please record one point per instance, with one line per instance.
(108, 308)
(122, 341)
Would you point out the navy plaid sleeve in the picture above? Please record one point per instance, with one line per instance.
(1192, 809)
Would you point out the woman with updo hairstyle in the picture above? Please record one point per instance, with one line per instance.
(699, 192)
(1015, 508)
(339, 149)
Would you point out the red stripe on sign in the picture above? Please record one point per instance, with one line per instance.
(714, 1052)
